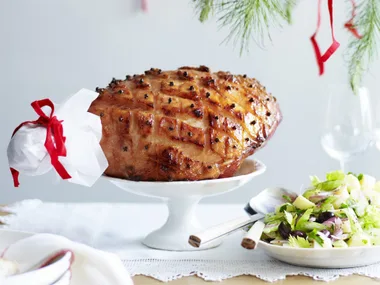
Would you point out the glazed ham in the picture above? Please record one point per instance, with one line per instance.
(187, 124)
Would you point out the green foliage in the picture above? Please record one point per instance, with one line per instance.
(204, 8)
(299, 242)
(289, 6)
(335, 175)
(363, 51)
(247, 19)
(250, 20)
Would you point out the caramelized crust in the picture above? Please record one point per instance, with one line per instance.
(187, 124)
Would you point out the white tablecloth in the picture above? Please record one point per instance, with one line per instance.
(119, 228)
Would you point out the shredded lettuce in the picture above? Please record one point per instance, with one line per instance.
(358, 176)
(285, 207)
(361, 206)
(346, 227)
(329, 185)
(311, 192)
(348, 203)
(375, 236)
(287, 198)
(335, 175)
(328, 204)
(289, 218)
(360, 239)
(309, 226)
(314, 180)
(304, 224)
(274, 217)
(375, 240)
(269, 228)
(352, 182)
(354, 222)
(303, 219)
(342, 195)
(353, 199)
(376, 187)
(299, 242)
(367, 182)
(280, 209)
(340, 243)
(371, 218)
(313, 235)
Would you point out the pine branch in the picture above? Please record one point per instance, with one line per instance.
(247, 19)
(363, 51)
(204, 7)
(252, 19)
(289, 7)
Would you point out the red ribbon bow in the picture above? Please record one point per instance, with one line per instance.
(55, 141)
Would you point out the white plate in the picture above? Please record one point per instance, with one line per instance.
(324, 257)
(44, 276)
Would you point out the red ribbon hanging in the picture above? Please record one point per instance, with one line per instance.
(144, 5)
(322, 58)
(350, 23)
(55, 141)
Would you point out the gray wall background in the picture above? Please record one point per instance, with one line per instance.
(51, 48)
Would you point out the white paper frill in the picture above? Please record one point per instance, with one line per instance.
(85, 160)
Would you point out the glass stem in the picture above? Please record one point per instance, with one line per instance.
(342, 165)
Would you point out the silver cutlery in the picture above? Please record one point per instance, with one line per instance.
(260, 205)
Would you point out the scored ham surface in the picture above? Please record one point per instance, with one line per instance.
(186, 124)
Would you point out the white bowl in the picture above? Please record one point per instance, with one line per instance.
(324, 257)
(55, 273)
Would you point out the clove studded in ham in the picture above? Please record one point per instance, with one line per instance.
(187, 124)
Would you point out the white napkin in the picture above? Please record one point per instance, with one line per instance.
(90, 266)
(85, 160)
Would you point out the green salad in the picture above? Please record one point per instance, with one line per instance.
(342, 211)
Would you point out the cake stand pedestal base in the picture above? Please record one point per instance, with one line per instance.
(181, 198)
(181, 223)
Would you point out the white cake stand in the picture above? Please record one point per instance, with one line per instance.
(182, 198)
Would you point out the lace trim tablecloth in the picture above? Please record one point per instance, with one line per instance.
(119, 228)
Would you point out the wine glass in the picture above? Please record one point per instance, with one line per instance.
(348, 129)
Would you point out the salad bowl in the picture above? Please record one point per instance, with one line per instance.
(335, 223)
(323, 257)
